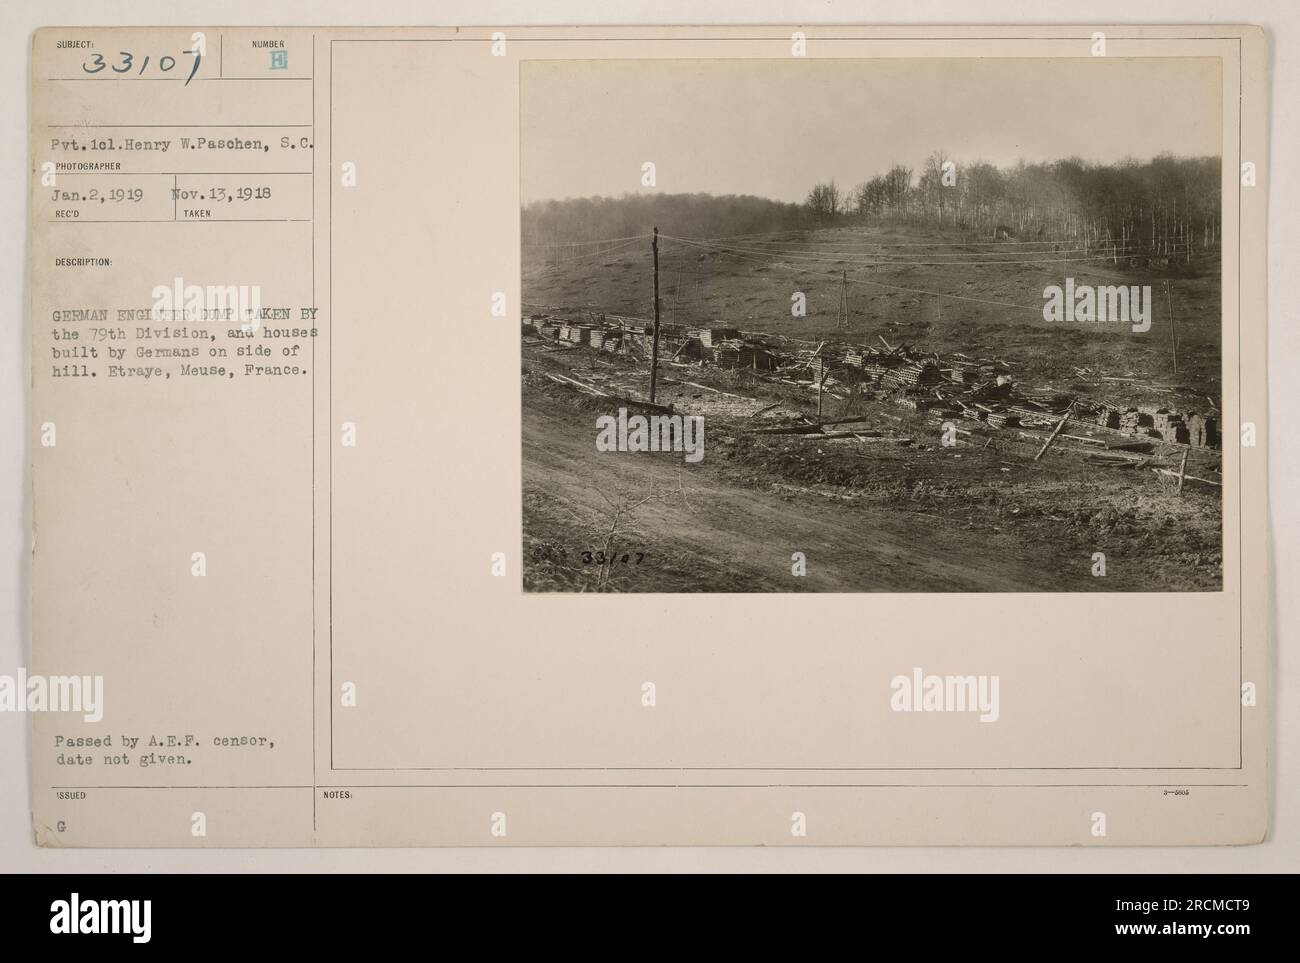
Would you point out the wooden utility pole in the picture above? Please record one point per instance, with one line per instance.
(821, 378)
(844, 297)
(1173, 327)
(654, 338)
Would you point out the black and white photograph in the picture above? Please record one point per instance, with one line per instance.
(943, 325)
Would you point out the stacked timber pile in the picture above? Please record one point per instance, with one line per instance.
(1150, 422)
(740, 353)
(1170, 424)
(1194, 429)
(876, 368)
(1203, 430)
(576, 333)
(710, 337)
(1190, 428)
(1135, 422)
(912, 374)
(1108, 417)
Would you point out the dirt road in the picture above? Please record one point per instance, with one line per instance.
(749, 535)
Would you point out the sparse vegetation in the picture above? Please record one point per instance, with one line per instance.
(916, 272)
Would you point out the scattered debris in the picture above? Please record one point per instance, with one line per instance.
(981, 392)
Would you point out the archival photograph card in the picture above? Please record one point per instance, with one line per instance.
(648, 436)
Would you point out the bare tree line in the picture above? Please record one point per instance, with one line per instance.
(1167, 204)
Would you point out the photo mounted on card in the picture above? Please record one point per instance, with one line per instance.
(649, 436)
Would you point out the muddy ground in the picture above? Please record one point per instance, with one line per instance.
(980, 516)
(752, 291)
(977, 517)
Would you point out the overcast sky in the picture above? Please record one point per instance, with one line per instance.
(776, 127)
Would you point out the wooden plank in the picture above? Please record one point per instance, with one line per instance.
(594, 391)
(788, 430)
(1055, 431)
(845, 421)
(1174, 474)
(718, 391)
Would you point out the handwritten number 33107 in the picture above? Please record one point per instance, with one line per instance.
(165, 63)
(599, 558)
